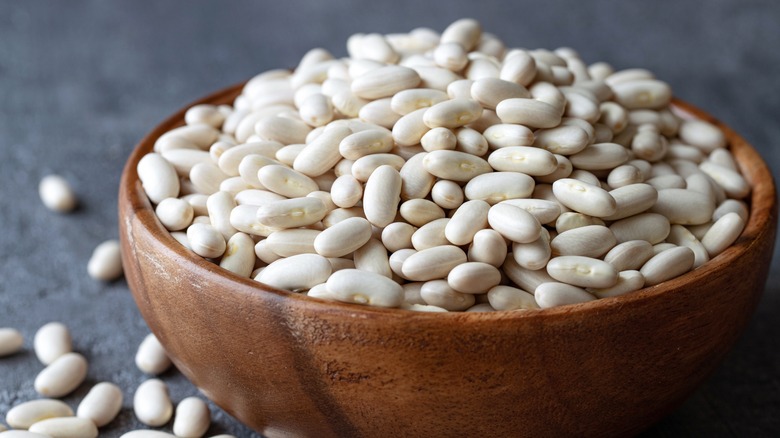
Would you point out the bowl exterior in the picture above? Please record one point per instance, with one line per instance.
(291, 366)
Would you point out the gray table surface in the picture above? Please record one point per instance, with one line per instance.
(82, 81)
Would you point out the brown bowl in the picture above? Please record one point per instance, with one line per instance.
(288, 365)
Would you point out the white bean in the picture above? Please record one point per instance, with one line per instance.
(723, 233)
(467, 220)
(431, 234)
(419, 212)
(205, 240)
(447, 194)
(588, 241)
(417, 181)
(285, 181)
(684, 207)
(564, 139)
(106, 261)
(158, 177)
(175, 214)
(102, 404)
(343, 238)
(384, 82)
(600, 156)
(24, 415)
(360, 144)
(56, 194)
(381, 195)
(632, 199)
(62, 376)
(584, 198)
(489, 92)
(651, 227)
(703, 135)
(543, 210)
(454, 165)
(667, 264)
(52, 341)
(362, 287)
(582, 271)
(298, 272)
(473, 277)
(65, 427)
(322, 154)
(528, 112)
(151, 357)
(407, 101)
(452, 113)
(192, 419)
(397, 235)
(488, 246)
(11, 341)
(152, 404)
(439, 293)
(511, 298)
(680, 236)
(514, 223)
(292, 213)
(526, 159)
(629, 255)
(432, 263)
(560, 294)
(628, 281)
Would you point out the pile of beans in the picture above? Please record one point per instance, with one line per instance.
(449, 173)
(66, 370)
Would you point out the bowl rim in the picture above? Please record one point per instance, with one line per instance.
(762, 218)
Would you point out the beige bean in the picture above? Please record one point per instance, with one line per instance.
(510, 298)
(430, 235)
(560, 294)
(419, 212)
(628, 281)
(488, 246)
(514, 223)
(703, 135)
(588, 241)
(285, 181)
(192, 419)
(397, 235)
(629, 255)
(102, 404)
(152, 404)
(642, 93)
(454, 166)
(624, 175)
(25, 414)
(440, 294)
(62, 376)
(723, 233)
(407, 101)
(52, 341)
(151, 357)
(582, 271)
(158, 177)
(651, 227)
(614, 116)
(528, 112)
(661, 247)
(584, 198)
(533, 255)
(632, 199)
(381, 195)
(564, 139)
(648, 144)
(447, 194)
(543, 210)
(205, 240)
(432, 263)
(299, 272)
(667, 264)
(467, 220)
(525, 279)
(363, 287)
(680, 236)
(65, 427)
(343, 238)
(397, 259)
(360, 144)
(684, 207)
(667, 182)
(409, 129)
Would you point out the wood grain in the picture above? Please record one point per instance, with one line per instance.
(287, 365)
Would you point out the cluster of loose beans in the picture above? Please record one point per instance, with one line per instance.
(66, 370)
(449, 173)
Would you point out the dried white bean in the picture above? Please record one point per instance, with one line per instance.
(629, 255)
(193, 418)
(102, 404)
(582, 271)
(205, 240)
(439, 293)
(628, 281)
(514, 223)
(488, 246)
(52, 341)
(151, 357)
(24, 415)
(723, 233)
(467, 220)
(584, 198)
(560, 294)
(56, 194)
(62, 376)
(106, 261)
(432, 263)
(362, 287)
(65, 427)
(298, 272)
(152, 404)
(343, 238)
(667, 264)
(588, 241)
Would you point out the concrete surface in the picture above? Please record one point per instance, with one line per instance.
(82, 81)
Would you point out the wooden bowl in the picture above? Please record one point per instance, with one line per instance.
(288, 365)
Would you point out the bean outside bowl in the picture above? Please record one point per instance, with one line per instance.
(289, 365)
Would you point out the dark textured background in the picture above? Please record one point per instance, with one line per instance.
(82, 81)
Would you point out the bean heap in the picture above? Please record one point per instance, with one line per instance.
(449, 173)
